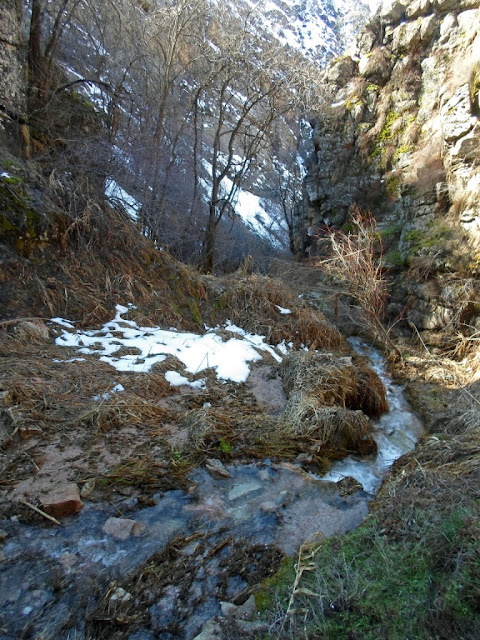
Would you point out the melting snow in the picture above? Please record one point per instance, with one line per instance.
(283, 311)
(152, 345)
(177, 380)
(115, 193)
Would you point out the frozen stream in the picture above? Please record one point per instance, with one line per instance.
(53, 578)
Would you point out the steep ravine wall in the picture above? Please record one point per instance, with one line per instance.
(399, 135)
(12, 53)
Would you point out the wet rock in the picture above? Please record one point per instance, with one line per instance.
(216, 469)
(142, 634)
(62, 501)
(164, 611)
(243, 489)
(3, 535)
(68, 560)
(248, 609)
(122, 528)
(211, 630)
(229, 610)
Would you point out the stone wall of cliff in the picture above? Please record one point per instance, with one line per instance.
(12, 64)
(12, 53)
(398, 134)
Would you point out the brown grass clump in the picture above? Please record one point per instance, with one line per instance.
(141, 472)
(333, 380)
(252, 302)
(336, 429)
(31, 331)
(123, 409)
(207, 427)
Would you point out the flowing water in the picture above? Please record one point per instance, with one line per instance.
(53, 578)
(396, 432)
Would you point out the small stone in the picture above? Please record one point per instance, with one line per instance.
(243, 489)
(87, 488)
(248, 609)
(229, 610)
(3, 535)
(68, 560)
(216, 469)
(62, 501)
(122, 528)
(268, 506)
(211, 630)
(304, 458)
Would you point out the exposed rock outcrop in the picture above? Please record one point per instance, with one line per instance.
(400, 136)
(12, 52)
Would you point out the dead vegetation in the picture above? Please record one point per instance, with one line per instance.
(253, 303)
(346, 381)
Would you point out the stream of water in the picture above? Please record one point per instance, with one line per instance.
(51, 576)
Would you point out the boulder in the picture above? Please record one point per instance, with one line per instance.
(457, 117)
(455, 5)
(393, 12)
(418, 8)
(468, 147)
(406, 36)
(341, 71)
(61, 501)
(375, 65)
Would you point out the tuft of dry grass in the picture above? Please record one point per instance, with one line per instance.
(335, 429)
(331, 379)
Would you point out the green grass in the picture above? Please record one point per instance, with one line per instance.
(373, 584)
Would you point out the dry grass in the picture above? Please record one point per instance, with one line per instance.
(333, 380)
(336, 430)
(253, 302)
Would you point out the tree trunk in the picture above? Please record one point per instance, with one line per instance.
(209, 241)
(35, 58)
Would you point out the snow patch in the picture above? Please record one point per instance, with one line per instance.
(230, 358)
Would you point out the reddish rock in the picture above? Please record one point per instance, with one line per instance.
(62, 501)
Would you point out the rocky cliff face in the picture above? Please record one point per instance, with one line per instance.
(12, 51)
(399, 135)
